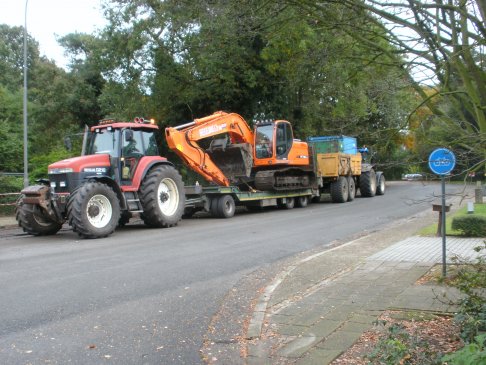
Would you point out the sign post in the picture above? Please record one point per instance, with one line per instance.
(442, 162)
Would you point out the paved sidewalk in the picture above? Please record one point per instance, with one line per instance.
(317, 309)
(7, 222)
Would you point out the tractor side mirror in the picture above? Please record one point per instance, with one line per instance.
(68, 143)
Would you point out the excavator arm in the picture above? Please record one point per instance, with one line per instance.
(227, 159)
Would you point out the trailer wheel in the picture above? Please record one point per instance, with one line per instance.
(33, 221)
(288, 204)
(380, 188)
(93, 210)
(224, 207)
(367, 183)
(162, 197)
(339, 190)
(351, 188)
(301, 201)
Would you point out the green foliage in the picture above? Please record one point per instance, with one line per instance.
(12, 55)
(180, 60)
(10, 131)
(39, 163)
(471, 281)
(57, 103)
(471, 225)
(399, 347)
(473, 353)
(9, 184)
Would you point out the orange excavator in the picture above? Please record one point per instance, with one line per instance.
(226, 151)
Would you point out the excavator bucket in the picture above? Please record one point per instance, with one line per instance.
(234, 160)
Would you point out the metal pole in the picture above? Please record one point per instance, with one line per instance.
(26, 160)
(444, 264)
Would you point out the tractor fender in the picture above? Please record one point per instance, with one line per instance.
(112, 184)
(365, 167)
(144, 166)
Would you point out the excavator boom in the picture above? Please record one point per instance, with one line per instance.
(227, 159)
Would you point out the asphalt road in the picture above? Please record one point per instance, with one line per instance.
(147, 296)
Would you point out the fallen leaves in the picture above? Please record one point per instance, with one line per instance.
(440, 334)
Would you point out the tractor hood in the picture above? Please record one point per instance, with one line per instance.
(88, 163)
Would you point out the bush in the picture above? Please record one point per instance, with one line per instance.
(470, 225)
(9, 184)
(472, 354)
(400, 347)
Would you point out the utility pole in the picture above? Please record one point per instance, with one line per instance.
(26, 159)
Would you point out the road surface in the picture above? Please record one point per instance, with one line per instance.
(147, 296)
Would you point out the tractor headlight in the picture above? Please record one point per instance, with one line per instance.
(61, 170)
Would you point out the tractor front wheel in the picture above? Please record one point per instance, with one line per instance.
(93, 210)
(33, 221)
(380, 188)
(162, 197)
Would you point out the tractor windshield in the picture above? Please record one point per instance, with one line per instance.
(104, 141)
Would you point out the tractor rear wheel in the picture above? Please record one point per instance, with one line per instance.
(367, 183)
(93, 210)
(33, 221)
(162, 197)
(339, 190)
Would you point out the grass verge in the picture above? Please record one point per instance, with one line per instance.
(479, 209)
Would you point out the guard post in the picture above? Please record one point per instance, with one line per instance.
(437, 207)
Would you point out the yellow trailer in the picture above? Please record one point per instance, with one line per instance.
(341, 171)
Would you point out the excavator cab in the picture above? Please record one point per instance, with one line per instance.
(273, 142)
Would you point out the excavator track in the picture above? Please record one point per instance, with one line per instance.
(281, 180)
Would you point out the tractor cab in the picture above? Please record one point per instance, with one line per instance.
(125, 143)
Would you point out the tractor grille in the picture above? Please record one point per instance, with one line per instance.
(66, 182)
(59, 182)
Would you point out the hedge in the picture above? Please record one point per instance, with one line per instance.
(470, 225)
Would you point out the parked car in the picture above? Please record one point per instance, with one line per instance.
(413, 177)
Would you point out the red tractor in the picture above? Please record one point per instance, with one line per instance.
(119, 173)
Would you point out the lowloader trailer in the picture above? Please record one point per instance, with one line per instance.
(267, 166)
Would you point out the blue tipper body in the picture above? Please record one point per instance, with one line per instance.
(334, 144)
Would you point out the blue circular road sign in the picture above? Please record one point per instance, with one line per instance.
(442, 161)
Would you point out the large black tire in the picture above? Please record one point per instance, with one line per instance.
(124, 218)
(367, 183)
(224, 207)
(302, 201)
(162, 197)
(93, 210)
(381, 187)
(288, 204)
(351, 188)
(33, 221)
(339, 190)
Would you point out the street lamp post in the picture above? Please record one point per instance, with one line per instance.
(26, 160)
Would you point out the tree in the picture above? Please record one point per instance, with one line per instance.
(435, 41)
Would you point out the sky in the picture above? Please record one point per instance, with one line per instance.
(48, 19)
